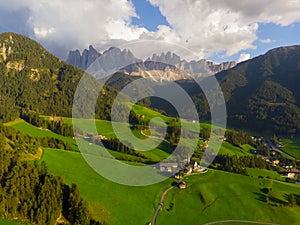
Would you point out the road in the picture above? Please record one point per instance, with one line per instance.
(274, 148)
(162, 200)
(240, 221)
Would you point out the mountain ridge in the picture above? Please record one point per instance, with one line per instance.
(34, 81)
(117, 59)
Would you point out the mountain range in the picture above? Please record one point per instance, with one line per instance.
(261, 94)
(164, 67)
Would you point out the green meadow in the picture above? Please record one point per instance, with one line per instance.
(264, 173)
(217, 196)
(292, 147)
(26, 128)
(212, 196)
(117, 204)
(8, 222)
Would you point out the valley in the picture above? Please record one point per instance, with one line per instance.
(45, 179)
(205, 194)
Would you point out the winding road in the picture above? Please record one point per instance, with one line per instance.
(239, 221)
(162, 200)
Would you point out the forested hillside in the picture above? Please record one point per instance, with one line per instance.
(263, 93)
(33, 80)
(31, 194)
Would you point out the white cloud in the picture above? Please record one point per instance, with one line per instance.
(67, 24)
(206, 27)
(225, 25)
(243, 57)
(266, 41)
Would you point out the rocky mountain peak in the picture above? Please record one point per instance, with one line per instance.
(115, 59)
(85, 60)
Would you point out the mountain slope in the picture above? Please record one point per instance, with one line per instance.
(263, 93)
(33, 80)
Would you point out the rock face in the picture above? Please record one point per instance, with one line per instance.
(196, 69)
(167, 66)
(156, 71)
(85, 60)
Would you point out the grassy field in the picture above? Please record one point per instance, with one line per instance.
(8, 222)
(292, 147)
(209, 197)
(105, 128)
(116, 203)
(229, 149)
(264, 173)
(217, 196)
(26, 128)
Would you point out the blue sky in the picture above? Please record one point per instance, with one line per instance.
(269, 35)
(149, 16)
(219, 30)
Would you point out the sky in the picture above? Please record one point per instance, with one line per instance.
(218, 30)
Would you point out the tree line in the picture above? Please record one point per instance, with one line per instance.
(239, 165)
(29, 193)
(57, 126)
(23, 142)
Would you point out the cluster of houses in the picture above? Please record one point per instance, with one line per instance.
(190, 167)
(293, 173)
(95, 137)
(274, 150)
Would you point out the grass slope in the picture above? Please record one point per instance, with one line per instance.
(209, 197)
(217, 196)
(118, 204)
(292, 147)
(265, 173)
(26, 128)
(8, 222)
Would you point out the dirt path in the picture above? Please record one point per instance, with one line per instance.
(162, 200)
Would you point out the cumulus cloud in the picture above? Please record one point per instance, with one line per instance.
(244, 57)
(70, 24)
(225, 25)
(266, 41)
(205, 27)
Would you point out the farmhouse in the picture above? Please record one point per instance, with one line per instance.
(182, 185)
(102, 137)
(276, 162)
(56, 118)
(168, 167)
(142, 116)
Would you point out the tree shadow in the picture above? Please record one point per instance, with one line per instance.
(260, 197)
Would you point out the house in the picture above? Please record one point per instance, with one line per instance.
(201, 170)
(276, 162)
(291, 175)
(288, 166)
(188, 170)
(193, 164)
(182, 185)
(179, 175)
(102, 137)
(221, 139)
(168, 167)
(56, 118)
(142, 116)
